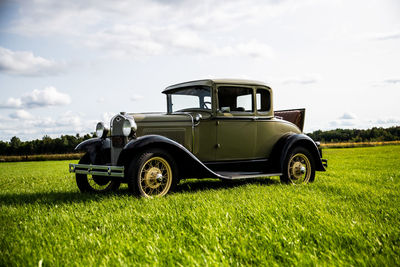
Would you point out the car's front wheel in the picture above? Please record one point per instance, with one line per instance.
(94, 183)
(153, 173)
(299, 167)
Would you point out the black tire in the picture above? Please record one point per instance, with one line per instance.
(153, 173)
(298, 167)
(95, 184)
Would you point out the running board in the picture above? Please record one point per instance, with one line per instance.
(244, 175)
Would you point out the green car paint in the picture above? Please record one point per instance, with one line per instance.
(218, 128)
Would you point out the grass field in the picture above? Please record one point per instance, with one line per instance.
(349, 216)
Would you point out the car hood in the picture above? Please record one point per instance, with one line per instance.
(177, 127)
(143, 118)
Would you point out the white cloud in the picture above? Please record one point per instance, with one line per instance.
(386, 36)
(46, 97)
(21, 114)
(342, 123)
(132, 41)
(303, 80)
(350, 120)
(386, 122)
(348, 116)
(347, 120)
(70, 119)
(156, 27)
(12, 103)
(72, 17)
(25, 63)
(125, 40)
(386, 82)
(185, 39)
(49, 96)
(253, 49)
(106, 117)
(27, 126)
(136, 97)
(392, 81)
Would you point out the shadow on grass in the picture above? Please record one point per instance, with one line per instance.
(185, 186)
(194, 185)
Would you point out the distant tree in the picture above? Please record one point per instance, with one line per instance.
(357, 135)
(46, 145)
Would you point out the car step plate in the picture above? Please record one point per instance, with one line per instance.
(245, 175)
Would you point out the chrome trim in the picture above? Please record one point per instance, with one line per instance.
(100, 170)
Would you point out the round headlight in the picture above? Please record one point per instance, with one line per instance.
(128, 127)
(101, 130)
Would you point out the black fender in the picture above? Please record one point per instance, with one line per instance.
(287, 142)
(189, 166)
(95, 146)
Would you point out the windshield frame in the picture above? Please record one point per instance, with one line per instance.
(176, 92)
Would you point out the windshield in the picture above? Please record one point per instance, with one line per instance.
(188, 98)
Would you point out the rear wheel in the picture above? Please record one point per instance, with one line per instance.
(94, 183)
(152, 174)
(299, 167)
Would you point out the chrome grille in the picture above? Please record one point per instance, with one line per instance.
(118, 141)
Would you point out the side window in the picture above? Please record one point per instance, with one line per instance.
(263, 98)
(235, 99)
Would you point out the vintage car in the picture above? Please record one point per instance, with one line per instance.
(224, 129)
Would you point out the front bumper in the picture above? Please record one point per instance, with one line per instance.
(99, 170)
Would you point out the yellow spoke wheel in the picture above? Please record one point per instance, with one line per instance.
(155, 177)
(299, 169)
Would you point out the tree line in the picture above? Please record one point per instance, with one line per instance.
(374, 134)
(47, 145)
(66, 143)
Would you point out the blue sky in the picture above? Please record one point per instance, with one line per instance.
(64, 65)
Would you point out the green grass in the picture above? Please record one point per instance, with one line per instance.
(349, 216)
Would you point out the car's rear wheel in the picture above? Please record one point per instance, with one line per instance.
(93, 183)
(299, 167)
(152, 174)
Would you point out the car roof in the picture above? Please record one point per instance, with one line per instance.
(210, 82)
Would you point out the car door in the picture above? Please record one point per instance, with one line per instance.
(235, 121)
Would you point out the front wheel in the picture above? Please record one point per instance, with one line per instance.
(152, 174)
(299, 167)
(93, 183)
